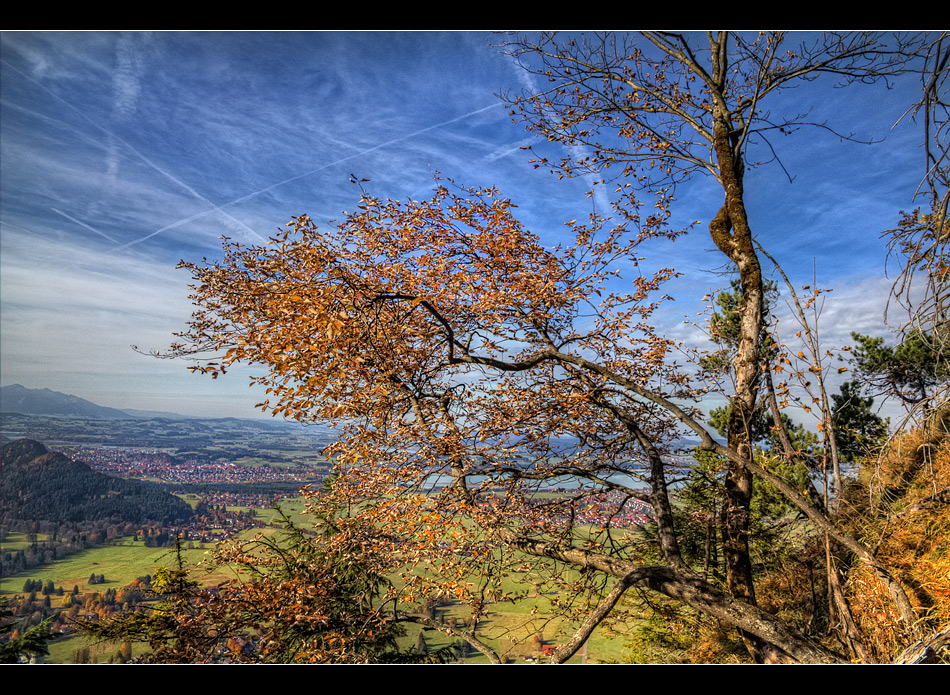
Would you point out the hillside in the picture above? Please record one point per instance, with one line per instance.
(37, 484)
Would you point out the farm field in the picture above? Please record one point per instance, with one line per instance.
(125, 559)
(511, 628)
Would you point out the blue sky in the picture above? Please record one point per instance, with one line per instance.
(122, 153)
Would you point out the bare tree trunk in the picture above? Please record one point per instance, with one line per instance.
(732, 235)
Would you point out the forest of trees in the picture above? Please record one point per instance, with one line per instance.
(38, 485)
(453, 344)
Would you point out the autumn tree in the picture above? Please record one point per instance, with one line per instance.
(471, 366)
(30, 642)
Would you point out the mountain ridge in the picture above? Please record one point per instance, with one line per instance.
(16, 398)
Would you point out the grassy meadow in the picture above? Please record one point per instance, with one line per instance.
(513, 629)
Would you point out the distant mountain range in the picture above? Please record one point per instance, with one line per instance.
(45, 402)
(19, 399)
(52, 416)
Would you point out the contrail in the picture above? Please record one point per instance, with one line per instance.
(141, 156)
(361, 153)
(166, 228)
(83, 224)
(199, 196)
(313, 171)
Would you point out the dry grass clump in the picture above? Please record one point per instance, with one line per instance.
(901, 504)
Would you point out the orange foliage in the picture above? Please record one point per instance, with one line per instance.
(471, 368)
(463, 357)
(904, 517)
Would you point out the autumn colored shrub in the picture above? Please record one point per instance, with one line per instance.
(298, 598)
(900, 503)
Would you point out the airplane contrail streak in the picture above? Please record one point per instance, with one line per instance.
(361, 153)
(220, 208)
(141, 156)
(83, 224)
(310, 172)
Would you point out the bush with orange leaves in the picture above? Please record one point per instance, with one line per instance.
(900, 505)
